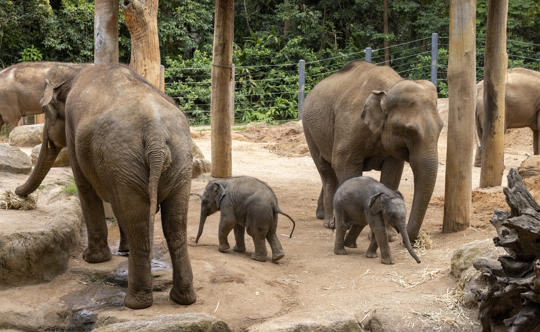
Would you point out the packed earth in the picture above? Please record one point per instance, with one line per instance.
(310, 286)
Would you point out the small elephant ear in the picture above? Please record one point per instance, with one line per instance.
(48, 93)
(375, 205)
(373, 114)
(398, 193)
(220, 193)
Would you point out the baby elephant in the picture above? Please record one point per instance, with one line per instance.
(245, 203)
(362, 200)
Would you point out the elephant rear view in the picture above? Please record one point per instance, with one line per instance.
(246, 203)
(366, 117)
(129, 145)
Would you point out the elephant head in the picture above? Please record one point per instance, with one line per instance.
(54, 135)
(210, 203)
(406, 119)
(394, 213)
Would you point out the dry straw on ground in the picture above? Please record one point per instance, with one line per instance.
(9, 200)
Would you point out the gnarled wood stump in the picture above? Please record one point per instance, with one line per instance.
(513, 296)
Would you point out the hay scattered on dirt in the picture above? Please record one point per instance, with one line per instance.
(426, 275)
(9, 200)
(423, 242)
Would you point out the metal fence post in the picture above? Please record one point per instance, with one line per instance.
(301, 84)
(368, 54)
(434, 57)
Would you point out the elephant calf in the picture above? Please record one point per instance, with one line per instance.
(362, 200)
(245, 203)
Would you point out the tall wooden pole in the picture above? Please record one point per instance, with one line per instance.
(495, 66)
(106, 31)
(385, 23)
(221, 140)
(462, 96)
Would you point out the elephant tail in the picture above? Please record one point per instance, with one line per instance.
(292, 220)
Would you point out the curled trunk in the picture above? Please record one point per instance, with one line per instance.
(424, 167)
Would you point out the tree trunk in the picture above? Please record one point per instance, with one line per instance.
(141, 20)
(106, 31)
(221, 139)
(462, 99)
(386, 49)
(495, 66)
(286, 23)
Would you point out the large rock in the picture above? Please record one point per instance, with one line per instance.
(200, 164)
(35, 248)
(464, 257)
(61, 161)
(529, 170)
(332, 321)
(13, 160)
(190, 322)
(28, 136)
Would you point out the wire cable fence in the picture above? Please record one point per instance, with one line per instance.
(273, 91)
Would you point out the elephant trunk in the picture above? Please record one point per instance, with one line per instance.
(201, 224)
(424, 167)
(403, 230)
(47, 156)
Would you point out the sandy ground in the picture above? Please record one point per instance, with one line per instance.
(310, 279)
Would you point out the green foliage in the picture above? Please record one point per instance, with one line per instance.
(31, 54)
(70, 189)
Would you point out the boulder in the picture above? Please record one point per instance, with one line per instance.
(190, 322)
(13, 160)
(28, 136)
(333, 321)
(200, 164)
(529, 170)
(61, 161)
(464, 257)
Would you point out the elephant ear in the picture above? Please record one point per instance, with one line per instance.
(373, 114)
(398, 193)
(375, 203)
(219, 192)
(50, 99)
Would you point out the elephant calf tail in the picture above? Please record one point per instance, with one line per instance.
(293, 223)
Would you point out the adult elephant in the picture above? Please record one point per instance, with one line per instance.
(367, 117)
(21, 87)
(128, 144)
(522, 106)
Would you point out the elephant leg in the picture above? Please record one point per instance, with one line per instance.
(10, 125)
(225, 227)
(372, 249)
(381, 238)
(123, 248)
(339, 246)
(391, 172)
(536, 137)
(239, 231)
(174, 221)
(352, 235)
(320, 205)
(329, 181)
(275, 245)
(94, 217)
(260, 248)
(132, 214)
(478, 155)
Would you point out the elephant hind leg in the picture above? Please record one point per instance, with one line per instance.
(275, 245)
(174, 221)
(536, 137)
(239, 231)
(329, 186)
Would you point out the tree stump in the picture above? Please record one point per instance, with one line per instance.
(513, 296)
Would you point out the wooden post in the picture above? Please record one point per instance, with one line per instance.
(106, 31)
(385, 43)
(462, 97)
(162, 78)
(233, 87)
(220, 122)
(495, 66)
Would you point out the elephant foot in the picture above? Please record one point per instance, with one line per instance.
(350, 244)
(320, 213)
(371, 254)
(258, 258)
(123, 247)
(392, 236)
(97, 256)
(387, 260)
(239, 249)
(330, 223)
(139, 300)
(223, 247)
(185, 297)
(340, 251)
(277, 257)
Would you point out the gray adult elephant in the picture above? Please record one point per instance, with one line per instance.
(21, 87)
(128, 144)
(522, 106)
(367, 117)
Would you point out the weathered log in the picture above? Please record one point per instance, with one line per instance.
(513, 296)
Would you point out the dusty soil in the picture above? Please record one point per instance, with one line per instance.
(310, 278)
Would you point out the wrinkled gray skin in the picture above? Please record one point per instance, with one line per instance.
(128, 145)
(246, 203)
(21, 88)
(367, 117)
(522, 106)
(362, 201)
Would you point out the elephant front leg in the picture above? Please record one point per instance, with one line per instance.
(226, 224)
(174, 221)
(339, 246)
(372, 249)
(239, 231)
(391, 172)
(382, 241)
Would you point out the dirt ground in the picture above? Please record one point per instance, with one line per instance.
(310, 279)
